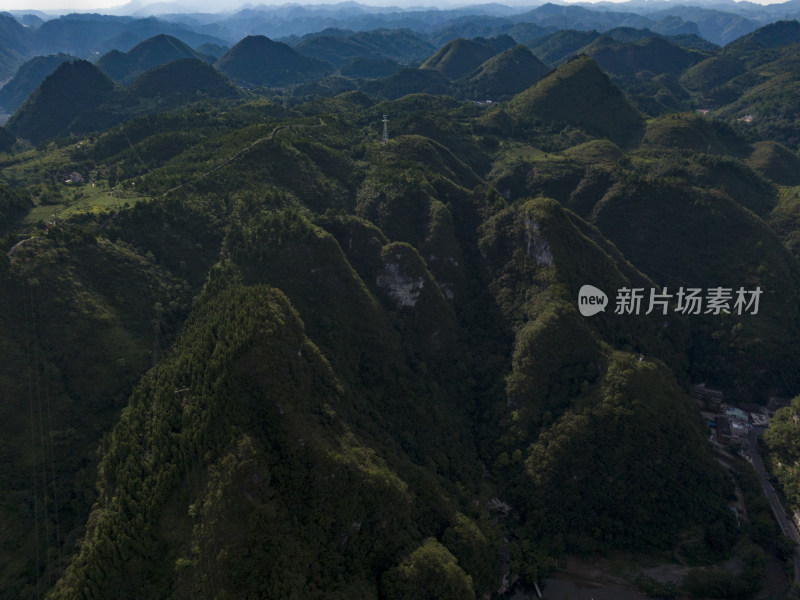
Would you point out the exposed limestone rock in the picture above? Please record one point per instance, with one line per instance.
(402, 287)
(537, 246)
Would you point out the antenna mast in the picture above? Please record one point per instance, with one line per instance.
(385, 135)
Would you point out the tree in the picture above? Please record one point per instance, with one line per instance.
(430, 572)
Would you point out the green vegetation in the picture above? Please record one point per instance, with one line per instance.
(687, 132)
(396, 45)
(28, 77)
(365, 68)
(781, 439)
(73, 88)
(257, 60)
(13, 206)
(459, 57)
(776, 163)
(785, 218)
(258, 353)
(720, 583)
(652, 54)
(636, 402)
(78, 98)
(559, 46)
(124, 67)
(579, 93)
(430, 571)
(183, 78)
(503, 75)
(408, 81)
(711, 73)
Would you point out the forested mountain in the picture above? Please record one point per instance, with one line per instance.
(503, 75)
(153, 52)
(78, 98)
(653, 54)
(340, 48)
(29, 76)
(370, 68)
(178, 81)
(459, 57)
(73, 88)
(579, 93)
(257, 60)
(409, 81)
(252, 349)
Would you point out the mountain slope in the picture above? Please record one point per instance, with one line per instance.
(190, 78)
(654, 54)
(359, 370)
(649, 231)
(78, 98)
(158, 50)
(74, 87)
(257, 60)
(409, 81)
(718, 26)
(339, 396)
(15, 45)
(580, 93)
(400, 45)
(711, 73)
(540, 254)
(336, 50)
(29, 76)
(558, 46)
(581, 17)
(366, 68)
(775, 162)
(96, 299)
(504, 75)
(690, 132)
(774, 35)
(458, 58)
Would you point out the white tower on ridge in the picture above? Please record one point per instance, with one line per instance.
(385, 135)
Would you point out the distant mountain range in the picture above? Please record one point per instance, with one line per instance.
(753, 79)
(719, 22)
(84, 36)
(338, 32)
(89, 35)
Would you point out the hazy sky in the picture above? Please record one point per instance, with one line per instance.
(216, 5)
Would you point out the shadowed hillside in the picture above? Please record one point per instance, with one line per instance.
(257, 60)
(503, 75)
(459, 57)
(156, 51)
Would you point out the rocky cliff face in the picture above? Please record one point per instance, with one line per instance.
(398, 283)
